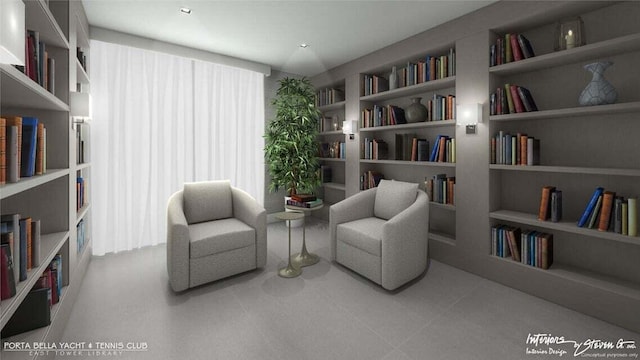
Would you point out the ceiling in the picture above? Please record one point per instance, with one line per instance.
(270, 32)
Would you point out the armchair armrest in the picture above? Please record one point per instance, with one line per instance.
(355, 207)
(404, 243)
(247, 210)
(177, 244)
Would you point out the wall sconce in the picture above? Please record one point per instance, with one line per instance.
(469, 116)
(12, 32)
(80, 104)
(350, 127)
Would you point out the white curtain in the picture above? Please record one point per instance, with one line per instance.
(148, 138)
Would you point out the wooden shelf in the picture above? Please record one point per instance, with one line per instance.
(332, 159)
(432, 85)
(565, 226)
(568, 170)
(27, 183)
(620, 108)
(49, 246)
(447, 207)
(593, 51)
(333, 132)
(39, 18)
(582, 276)
(81, 75)
(419, 125)
(18, 90)
(334, 106)
(412, 163)
(443, 238)
(80, 214)
(333, 185)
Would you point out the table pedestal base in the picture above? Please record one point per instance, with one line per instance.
(289, 272)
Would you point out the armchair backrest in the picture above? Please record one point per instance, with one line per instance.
(207, 201)
(392, 197)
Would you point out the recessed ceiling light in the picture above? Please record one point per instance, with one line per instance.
(304, 45)
(185, 10)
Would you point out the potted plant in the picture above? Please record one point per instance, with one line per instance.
(291, 147)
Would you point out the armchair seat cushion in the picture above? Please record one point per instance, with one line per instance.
(364, 234)
(218, 236)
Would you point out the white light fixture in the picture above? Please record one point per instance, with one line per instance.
(304, 45)
(80, 104)
(350, 127)
(12, 30)
(469, 115)
(185, 10)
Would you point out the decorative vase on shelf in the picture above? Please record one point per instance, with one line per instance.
(599, 91)
(416, 112)
(393, 79)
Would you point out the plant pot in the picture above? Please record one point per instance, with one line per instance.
(416, 112)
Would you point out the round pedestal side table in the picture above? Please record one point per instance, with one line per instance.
(291, 270)
(304, 258)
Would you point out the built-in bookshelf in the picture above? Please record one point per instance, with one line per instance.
(387, 147)
(581, 148)
(50, 197)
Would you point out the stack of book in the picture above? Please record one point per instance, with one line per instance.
(511, 47)
(22, 148)
(608, 212)
(518, 149)
(428, 69)
(550, 204)
(444, 149)
(39, 67)
(382, 115)
(511, 99)
(304, 200)
(441, 189)
(441, 107)
(528, 247)
(373, 84)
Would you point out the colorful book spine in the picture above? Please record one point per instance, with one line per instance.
(590, 206)
(633, 216)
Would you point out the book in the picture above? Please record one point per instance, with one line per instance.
(44, 282)
(527, 99)
(617, 215)
(589, 208)
(15, 149)
(517, 102)
(510, 103)
(556, 205)
(632, 223)
(508, 53)
(513, 235)
(39, 166)
(303, 197)
(35, 243)
(515, 47)
(56, 272)
(423, 150)
(3, 151)
(7, 279)
(596, 213)
(25, 223)
(11, 224)
(533, 151)
(625, 217)
(546, 249)
(605, 211)
(307, 204)
(544, 211)
(525, 46)
(29, 142)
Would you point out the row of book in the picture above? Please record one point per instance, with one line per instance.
(370, 179)
(518, 149)
(550, 204)
(528, 247)
(409, 147)
(329, 123)
(511, 47)
(511, 99)
(441, 188)
(335, 150)
(375, 149)
(21, 236)
(439, 108)
(39, 66)
(81, 135)
(81, 193)
(22, 148)
(428, 69)
(81, 239)
(329, 96)
(608, 212)
(35, 310)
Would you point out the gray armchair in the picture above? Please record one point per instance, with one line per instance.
(381, 233)
(214, 230)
